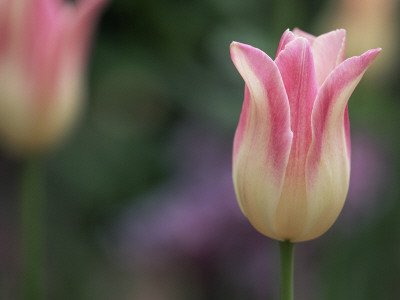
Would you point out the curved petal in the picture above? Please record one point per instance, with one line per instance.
(263, 138)
(296, 65)
(328, 161)
(286, 38)
(329, 51)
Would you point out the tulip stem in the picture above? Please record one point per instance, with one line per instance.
(32, 230)
(286, 250)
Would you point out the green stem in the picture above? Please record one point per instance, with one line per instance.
(286, 249)
(32, 230)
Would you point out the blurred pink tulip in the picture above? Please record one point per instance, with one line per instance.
(291, 156)
(43, 53)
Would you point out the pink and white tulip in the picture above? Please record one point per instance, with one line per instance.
(43, 52)
(291, 154)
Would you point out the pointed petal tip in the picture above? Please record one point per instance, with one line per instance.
(242, 50)
(374, 52)
(342, 32)
(233, 44)
(371, 54)
(287, 31)
(236, 45)
(234, 49)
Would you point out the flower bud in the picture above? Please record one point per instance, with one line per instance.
(43, 53)
(291, 154)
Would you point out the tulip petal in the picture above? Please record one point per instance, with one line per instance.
(263, 138)
(82, 28)
(329, 51)
(296, 65)
(286, 38)
(300, 33)
(4, 25)
(45, 50)
(328, 161)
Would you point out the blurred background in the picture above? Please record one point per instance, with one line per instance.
(140, 203)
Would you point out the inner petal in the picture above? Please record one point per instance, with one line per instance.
(296, 65)
(329, 51)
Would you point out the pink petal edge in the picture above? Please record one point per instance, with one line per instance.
(330, 98)
(328, 161)
(263, 137)
(267, 74)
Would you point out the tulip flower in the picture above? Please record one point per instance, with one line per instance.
(43, 53)
(291, 156)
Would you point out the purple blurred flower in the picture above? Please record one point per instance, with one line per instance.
(190, 234)
(194, 222)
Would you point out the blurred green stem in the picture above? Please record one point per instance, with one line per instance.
(286, 249)
(32, 230)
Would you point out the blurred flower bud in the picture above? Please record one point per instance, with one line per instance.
(43, 53)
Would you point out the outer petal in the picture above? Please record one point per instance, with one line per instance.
(84, 22)
(296, 65)
(263, 138)
(329, 51)
(47, 23)
(328, 162)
